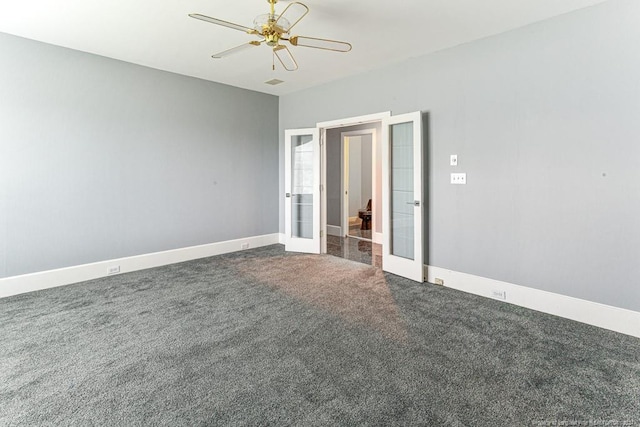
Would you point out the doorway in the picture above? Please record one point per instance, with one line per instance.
(352, 171)
(401, 211)
(358, 183)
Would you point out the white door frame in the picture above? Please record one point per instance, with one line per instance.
(345, 179)
(323, 126)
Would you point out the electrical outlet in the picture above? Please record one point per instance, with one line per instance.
(439, 281)
(244, 246)
(113, 270)
(499, 294)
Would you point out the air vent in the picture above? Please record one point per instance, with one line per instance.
(274, 82)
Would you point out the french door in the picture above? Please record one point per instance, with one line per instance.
(302, 190)
(402, 204)
(402, 183)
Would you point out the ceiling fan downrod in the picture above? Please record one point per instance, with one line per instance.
(272, 14)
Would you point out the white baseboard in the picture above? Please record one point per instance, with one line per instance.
(592, 313)
(64, 276)
(334, 230)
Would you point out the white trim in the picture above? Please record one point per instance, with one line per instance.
(345, 221)
(64, 276)
(377, 237)
(323, 190)
(282, 238)
(334, 230)
(592, 313)
(352, 121)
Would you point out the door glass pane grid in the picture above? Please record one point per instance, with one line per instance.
(302, 186)
(402, 207)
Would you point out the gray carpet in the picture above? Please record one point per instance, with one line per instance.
(262, 337)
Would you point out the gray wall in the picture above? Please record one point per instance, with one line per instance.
(334, 177)
(101, 159)
(544, 121)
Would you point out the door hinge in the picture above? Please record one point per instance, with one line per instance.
(321, 233)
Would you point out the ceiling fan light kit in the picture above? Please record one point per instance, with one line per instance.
(274, 29)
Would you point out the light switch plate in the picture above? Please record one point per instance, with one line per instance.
(459, 178)
(454, 160)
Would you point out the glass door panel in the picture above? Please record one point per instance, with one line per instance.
(302, 194)
(402, 200)
(302, 187)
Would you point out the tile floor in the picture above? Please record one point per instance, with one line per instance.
(355, 249)
(354, 229)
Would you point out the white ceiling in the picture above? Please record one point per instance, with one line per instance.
(159, 34)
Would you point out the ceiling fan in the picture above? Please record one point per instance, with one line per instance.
(273, 29)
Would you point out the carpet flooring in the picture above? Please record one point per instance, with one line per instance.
(264, 337)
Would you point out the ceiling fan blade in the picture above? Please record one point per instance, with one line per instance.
(292, 14)
(285, 57)
(334, 45)
(236, 49)
(223, 23)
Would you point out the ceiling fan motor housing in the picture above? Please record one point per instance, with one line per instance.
(272, 39)
(272, 32)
